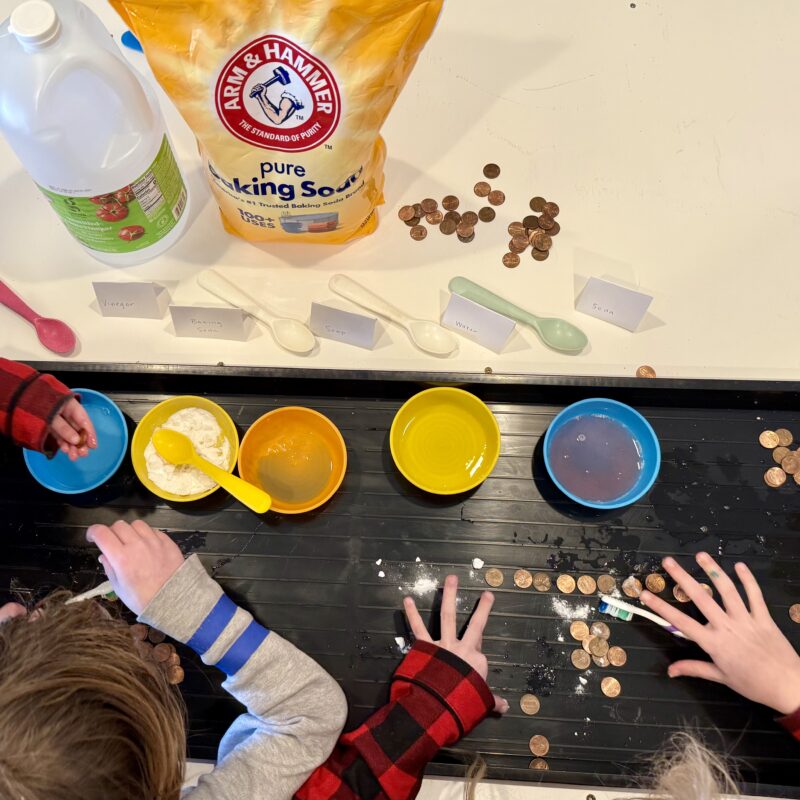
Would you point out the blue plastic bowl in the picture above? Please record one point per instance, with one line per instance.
(641, 431)
(73, 477)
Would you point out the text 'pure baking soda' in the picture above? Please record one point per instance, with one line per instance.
(89, 132)
(287, 98)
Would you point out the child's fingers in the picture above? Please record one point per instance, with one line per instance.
(755, 598)
(697, 594)
(448, 613)
(143, 529)
(473, 636)
(64, 431)
(500, 704)
(11, 610)
(685, 624)
(109, 570)
(415, 621)
(124, 532)
(696, 669)
(106, 539)
(76, 415)
(723, 584)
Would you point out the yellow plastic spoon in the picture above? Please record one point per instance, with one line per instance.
(178, 449)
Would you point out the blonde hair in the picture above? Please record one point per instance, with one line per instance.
(82, 715)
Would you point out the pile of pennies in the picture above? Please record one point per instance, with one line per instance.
(151, 646)
(779, 442)
(595, 648)
(448, 219)
(533, 231)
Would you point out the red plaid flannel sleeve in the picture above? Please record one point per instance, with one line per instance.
(29, 401)
(436, 698)
(792, 723)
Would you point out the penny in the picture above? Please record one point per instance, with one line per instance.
(617, 656)
(538, 763)
(418, 233)
(579, 630)
(523, 579)
(790, 464)
(156, 637)
(406, 212)
(470, 217)
(580, 659)
(450, 202)
(611, 687)
(555, 230)
(774, 477)
(174, 659)
(139, 631)
(482, 188)
(530, 222)
(779, 453)
(768, 439)
(530, 705)
(566, 584)
(537, 204)
(541, 582)
(645, 371)
(540, 255)
(601, 662)
(493, 577)
(655, 583)
(175, 674)
(587, 584)
(516, 229)
(551, 209)
(606, 584)
(464, 228)
(413, 221)
(486, 214)
(600, 629)
(453, 215)
(511, 260)
(539, 745)
(632, 586)
(519, 244)
(83, 437)
(496, 197)
(545, 222)
(794, 612)
(434, 217)
(598, 647)
(541, 241)
(586, 643)
(418, 212)
(161, 652)
(144, 649)
(707, 589)
(448, 226)
(785, 437)
(466, 239)
(491, 171)
(429, 205)
(680, 595)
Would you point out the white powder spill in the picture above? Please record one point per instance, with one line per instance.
(423, 586)
(381, 574)
(566, 611)
(560, 637)
(579, 689)
(478, 563)
(417, 559)
(583, 680)
(402, 645)
(379, 561)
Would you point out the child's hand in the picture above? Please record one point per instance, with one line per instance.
(138, 560)
(748, 651)
(67, 428)
(469, 648)
(11, 610)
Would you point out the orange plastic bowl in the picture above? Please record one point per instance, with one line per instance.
(297, 455)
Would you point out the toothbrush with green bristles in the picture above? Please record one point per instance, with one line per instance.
(619, 609)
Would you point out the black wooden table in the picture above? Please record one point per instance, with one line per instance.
(332, 581)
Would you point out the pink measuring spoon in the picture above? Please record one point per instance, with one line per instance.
(54, 334)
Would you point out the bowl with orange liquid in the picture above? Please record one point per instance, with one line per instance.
(295, 454)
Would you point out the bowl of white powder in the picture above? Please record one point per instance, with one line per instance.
(210, 430)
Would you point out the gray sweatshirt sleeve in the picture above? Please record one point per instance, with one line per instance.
(296, 709)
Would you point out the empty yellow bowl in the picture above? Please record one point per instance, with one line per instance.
(297, 455)
(445, 440)
(156, 417)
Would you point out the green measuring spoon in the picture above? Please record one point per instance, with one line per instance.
(554, 332)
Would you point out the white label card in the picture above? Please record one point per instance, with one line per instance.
(210, 323)
(482, 325)
(613, 303)
(343, 326)
(137, 299)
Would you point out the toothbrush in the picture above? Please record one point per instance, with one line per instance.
(105, 588)
(625, 611)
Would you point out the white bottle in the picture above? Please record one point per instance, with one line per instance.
(89, 132)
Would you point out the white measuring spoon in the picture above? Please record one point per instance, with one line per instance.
(291, 334)
(426, 335)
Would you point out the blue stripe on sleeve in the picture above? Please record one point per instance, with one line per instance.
(213, 625)
(244, 647)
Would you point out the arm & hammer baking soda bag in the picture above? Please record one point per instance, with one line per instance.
(286, 98)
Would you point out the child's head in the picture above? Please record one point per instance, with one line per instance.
(82, 715)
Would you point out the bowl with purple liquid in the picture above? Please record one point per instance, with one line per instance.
(601, 453)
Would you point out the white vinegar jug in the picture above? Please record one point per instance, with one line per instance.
(89, 132)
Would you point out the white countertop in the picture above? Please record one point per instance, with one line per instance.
(667, 133)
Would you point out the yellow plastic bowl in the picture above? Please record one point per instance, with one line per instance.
(156, 417)
(307, 454)
(445, 440)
